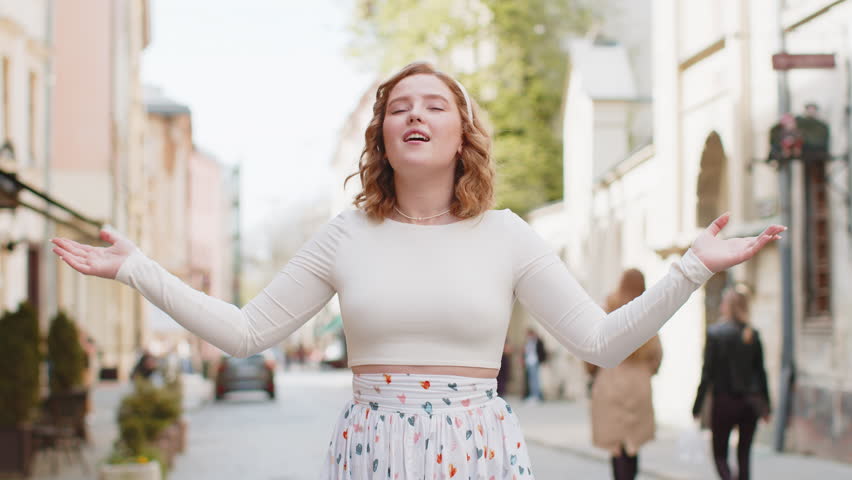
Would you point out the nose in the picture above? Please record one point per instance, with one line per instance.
(414, 115)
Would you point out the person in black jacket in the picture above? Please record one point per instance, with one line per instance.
(734, 373)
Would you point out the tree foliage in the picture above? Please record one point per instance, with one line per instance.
(509, 54)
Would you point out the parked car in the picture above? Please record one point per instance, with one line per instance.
(256, 372)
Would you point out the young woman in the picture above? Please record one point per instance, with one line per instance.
(426, 275)
(733, 371)
(621, 405)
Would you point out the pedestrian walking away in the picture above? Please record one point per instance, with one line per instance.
(733, 381)
(534, 356)
(426, 274)
(621, 402)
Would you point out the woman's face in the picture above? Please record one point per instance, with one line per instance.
(422, 127)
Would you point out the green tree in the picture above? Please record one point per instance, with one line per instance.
(519, 84)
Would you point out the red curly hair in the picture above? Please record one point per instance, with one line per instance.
(474, 179)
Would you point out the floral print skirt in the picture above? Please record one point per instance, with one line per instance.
(432, 427)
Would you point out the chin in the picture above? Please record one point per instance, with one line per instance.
(420, 159)
(419, 162)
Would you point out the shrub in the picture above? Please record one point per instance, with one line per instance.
(20, 358)
(145, 413)
(65, 354)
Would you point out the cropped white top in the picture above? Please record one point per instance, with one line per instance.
(423, 294)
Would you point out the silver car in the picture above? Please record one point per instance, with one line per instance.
(256, 372)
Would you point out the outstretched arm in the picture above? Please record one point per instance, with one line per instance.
(549, 291)
(295, 295)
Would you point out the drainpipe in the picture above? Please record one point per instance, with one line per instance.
(785, 183)
(848, 139)
(50, 277)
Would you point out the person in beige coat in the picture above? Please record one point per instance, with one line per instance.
(621, 407)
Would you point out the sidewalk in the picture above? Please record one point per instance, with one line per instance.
(103, 429)
(565, 426)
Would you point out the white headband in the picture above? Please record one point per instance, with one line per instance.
(466, 100)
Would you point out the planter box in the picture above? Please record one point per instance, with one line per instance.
(167, 443)
(131, 471)
(182, 426)
(16, 450)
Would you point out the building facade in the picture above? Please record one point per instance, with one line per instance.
(24, 63)
(72, 126)
(715, 100)
(96, 129)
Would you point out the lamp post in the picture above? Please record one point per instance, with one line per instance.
(785, 185)
(9, 188)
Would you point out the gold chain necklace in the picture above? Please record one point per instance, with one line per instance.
(420, 219)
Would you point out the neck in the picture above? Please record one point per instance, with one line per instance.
(424, 198)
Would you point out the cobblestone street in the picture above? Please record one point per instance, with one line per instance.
(249, 437)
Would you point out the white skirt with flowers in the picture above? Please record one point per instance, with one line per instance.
(433, 427)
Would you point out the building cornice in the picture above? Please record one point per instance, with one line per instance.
(34, 46)
(622, 168)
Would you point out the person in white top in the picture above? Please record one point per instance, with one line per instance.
(426, 275)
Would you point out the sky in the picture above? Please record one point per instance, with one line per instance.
(268, 84)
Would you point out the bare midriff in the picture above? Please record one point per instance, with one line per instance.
(475, 372)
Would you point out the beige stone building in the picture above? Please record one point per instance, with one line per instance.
(607, 125)
(210, 213)
(24, 63)
(168, 154)
(188, 225)
(71, 115)
(715, 99)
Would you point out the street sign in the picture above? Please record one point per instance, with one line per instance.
(789, 61)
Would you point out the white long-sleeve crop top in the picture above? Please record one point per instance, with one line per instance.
(423, 295)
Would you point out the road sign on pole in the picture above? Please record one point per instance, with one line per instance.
(789, 61)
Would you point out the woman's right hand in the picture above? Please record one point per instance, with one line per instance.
(98, 261)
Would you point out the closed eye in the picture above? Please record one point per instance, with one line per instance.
(436, 108)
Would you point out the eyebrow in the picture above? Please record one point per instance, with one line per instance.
(428, 96)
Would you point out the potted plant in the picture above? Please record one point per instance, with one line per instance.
(175, 386)
(65, 355)
(147, 421)
(20, 358)
(124, 464)
(67, 362)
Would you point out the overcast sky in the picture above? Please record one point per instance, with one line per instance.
(268, 85)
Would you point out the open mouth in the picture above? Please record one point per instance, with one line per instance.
(415, 136)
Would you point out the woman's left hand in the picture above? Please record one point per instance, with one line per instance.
(719, 254)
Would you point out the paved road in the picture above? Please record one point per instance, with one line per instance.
(248, 437)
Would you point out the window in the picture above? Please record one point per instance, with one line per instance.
(4, 77)
(817, 266)
(31, 119)
(33, 275)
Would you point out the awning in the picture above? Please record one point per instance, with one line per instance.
(10, 187)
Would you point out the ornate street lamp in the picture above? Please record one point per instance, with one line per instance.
(9, 186)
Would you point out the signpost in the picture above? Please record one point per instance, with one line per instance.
(789, 61)
(783, 62)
